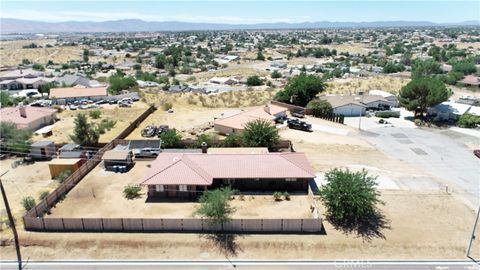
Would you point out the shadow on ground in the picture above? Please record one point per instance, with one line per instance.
(367, 228)
(225, 242)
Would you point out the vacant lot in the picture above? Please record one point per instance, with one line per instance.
(100, 195)
(22, 181)
(63, 128)
(352, 86)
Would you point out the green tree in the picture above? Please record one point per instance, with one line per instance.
(170, 138)
(425, 68)
(95, 114)
(260, 56)
(350, 199)
(84, 133)
(215, 205)
(232, 140)
(260, 133)
(468, 120)
(276, 74)
(320, 107)
(86, 54)
(119, 83)
(301, 89)
(254, 81)
(15, 140)
(160, 61)
(419, 94)
(5, 99)
(465, 68)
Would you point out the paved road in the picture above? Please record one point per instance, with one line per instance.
(392, 265)
(434, 153)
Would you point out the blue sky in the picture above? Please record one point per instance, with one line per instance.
(242, 11)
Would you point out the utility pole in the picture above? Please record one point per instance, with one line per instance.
(473, 238)
(12, 224)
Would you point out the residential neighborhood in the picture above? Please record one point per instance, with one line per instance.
(150, 140)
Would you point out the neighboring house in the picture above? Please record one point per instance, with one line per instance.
(448, 111)
(223, 80)
(147, 83)
(23, 79)
(26, 117)
(237, 150)
(388, 96)
(345, 105)
(376, 102)
(73, 80)
(72, 150)
(21, 73)
(42, 150)
(179, 89)
(237, 122)
(471, 80)
(186, 175)
(65, 95)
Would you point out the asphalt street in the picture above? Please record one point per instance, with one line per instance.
(220, 265)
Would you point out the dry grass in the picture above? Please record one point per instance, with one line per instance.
(352, 86)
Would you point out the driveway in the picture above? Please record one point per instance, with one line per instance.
(447, 160)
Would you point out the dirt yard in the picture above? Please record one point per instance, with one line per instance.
(100, 195)
(22, 181)
(351, 86)
(63, 128)
(422, 226)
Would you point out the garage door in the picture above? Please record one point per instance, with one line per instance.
(349, 110)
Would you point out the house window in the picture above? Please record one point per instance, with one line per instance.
(291, 179)
(183, 187)
(159, 188)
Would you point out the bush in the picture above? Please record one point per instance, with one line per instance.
(44, 194)
(215, 206)
(131, 191)
(170, 138)
(254, 81)
(232, 140)
(468, 120)
(28, 202)
(276, 74)
(260, 133)
(105, 124)
(286, 195)
(63, 175)
(387, 114)
(95, 114)
(167, 106)
(277, 196)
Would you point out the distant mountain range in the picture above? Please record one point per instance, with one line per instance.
(9, 26)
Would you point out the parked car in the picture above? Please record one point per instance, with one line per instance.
(300, 125)
(280, 119)
(101, 101)
(148, 152)
(124, 104)
(125, 100)
(72, 107)
(112, 101)
(149, 131)
(83, 107)
(298, 113)
(162, 129)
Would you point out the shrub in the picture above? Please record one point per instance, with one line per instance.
(131, 191)
(276, 74)
(277, 196)
(44, 194)
(260, 133)
(232, 140)
(63, 175)
(28, 202)
(170, 138)
(254, 81)
(286, 195)
(468, 120)
(387, 114)
(215, 206)
(167, 106)
(95, 114)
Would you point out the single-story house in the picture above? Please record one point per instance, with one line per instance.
(237, 122)
(26, 117)
(223, 80)
(72, 151)
(21, 73)
(186, 175)
(57, 166)
(448, 110)
(24, 83)
(43, 150)
(375, 102)
(73, 80)
(388, 96)
(69, 94)
(471, 80)
(118, 157)
(237, 150)
(345, 105)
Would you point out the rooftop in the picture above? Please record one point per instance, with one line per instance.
(73, 92)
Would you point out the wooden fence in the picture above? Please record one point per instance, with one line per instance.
(136, 122)
(188, 225)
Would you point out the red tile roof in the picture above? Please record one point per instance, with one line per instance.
(77, 92)
(12, 114)
(472, 80)
(201, 169)
(239, 120)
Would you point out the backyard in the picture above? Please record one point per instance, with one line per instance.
(100, 194)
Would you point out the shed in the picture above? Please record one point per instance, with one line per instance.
(58, 165)
(115, 157)
(43, 150)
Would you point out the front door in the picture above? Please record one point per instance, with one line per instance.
(171, 191)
